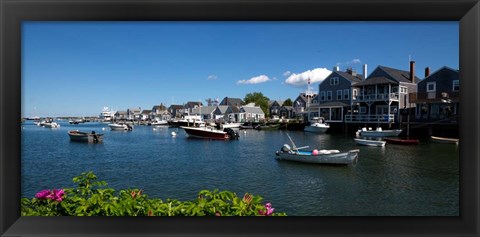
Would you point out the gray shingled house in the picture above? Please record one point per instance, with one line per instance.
(379, 98)
(438, 95)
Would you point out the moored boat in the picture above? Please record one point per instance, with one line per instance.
(330, 157)
(160, 123)
(368, 142)
(445, 140)
(120, 127)
(379, 132)
(210, 133)
(91, 137)
(268, 127)
(402, 141)
(317, 125)
(230, 125)
(51, 125)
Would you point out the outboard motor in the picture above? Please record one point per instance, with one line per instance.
(286, 148)
(231, 133)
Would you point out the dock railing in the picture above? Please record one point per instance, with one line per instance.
(375, 118)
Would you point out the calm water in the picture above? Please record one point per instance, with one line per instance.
(396, 180)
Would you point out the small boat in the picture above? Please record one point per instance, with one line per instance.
(160, 123)
(402, 141)
(445, 140)
(249, 125)
(120, 127)
(317, 125)
(331, 157)
(368, 142)
(91, 137)
(51, 125)
(230, 125)
(211, 133)
(268, 127)
(379, 132)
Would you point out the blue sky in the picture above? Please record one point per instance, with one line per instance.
(77, 68)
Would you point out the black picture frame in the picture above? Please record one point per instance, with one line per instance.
(13, 12)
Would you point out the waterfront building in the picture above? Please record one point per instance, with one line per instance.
(251, 113)
(273, 106)
(285, 112)
(301, 105)
(206, 113)
(189, 106)
(335, 95)
(175, 111)
(160, 113)
(121, 115)
(438, 96)
(145, 115)
(233, 114)
(221, 113)
(134, 114)
(379, 98)
(232, 102)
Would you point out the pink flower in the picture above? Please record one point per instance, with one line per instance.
(269, 210)
(42, 194)
(56, 195)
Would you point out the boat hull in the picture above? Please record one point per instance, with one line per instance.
(340, 158)
(383, 133)
(77, 136)
(206, 133)
(402, 141)
(366, 142)
(119, 127)
(445, 140)
(316, 128)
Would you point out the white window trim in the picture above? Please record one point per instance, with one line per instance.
(346, 94)
(405, 89)
(322, 96)
(339, 94)
(434, 86)
(329, 93)
(453, 85)
(334, 81)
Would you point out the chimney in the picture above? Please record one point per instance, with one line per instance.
(336, 68)
(427, 71)
(412, 71)
(364, 71)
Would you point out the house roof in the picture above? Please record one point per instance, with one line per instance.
(121, 112)
(376, 81)
(443, 70)
(146, 111)
(231, 101)
(280, 102)
(248, 109)
(204, 110)
(176, 107)
(350, 77)
(223, 108)
(134, 110)
(159, 107)
(192, 104)
(398, 75)
(303, 96)
(287, 107)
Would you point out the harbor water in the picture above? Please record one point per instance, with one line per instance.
(395, 180)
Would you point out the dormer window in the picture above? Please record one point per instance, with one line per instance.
(334, 81)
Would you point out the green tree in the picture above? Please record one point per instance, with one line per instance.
(288, 102)
(259, 99)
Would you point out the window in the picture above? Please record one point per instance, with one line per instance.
(431, 86)
(346, 94)
(339, 94)
(363, 109)
(329, 95)
(355, 94)
(403, 90)
(322, 95)
(456, 85)
(334, 81)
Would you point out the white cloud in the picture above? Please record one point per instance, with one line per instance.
(349, 63)
(301, 79)
(287, 73)
(212, 77)
(255, 80)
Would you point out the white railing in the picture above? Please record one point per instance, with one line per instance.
(349, 118)
(375, 97)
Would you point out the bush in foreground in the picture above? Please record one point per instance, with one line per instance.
(94, 198)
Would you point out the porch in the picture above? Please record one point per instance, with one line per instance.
(369, 118)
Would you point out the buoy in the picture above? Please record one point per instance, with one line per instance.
(174, 134)
(315, 152)
(244, 131)
(103, 129)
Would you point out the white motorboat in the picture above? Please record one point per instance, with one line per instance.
(317, 125)
(51, 125)
(364, 132)
(160, 123)
(368, 142)
(120, 127)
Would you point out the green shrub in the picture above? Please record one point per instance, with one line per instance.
(94, 198)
